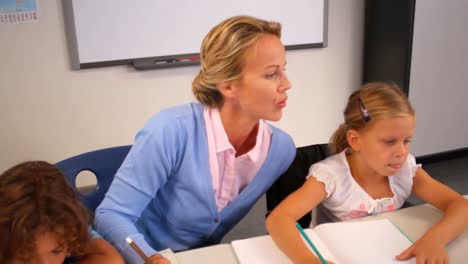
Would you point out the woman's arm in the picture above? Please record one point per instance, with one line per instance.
(281, 223)
(143, 172)
(100, 252)
(431, 245)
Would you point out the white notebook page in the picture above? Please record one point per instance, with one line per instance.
(263, 250)
(367, 242)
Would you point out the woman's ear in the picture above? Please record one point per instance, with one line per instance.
(226, 88)
(353, 138)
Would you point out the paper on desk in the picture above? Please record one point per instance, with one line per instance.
(170, 255)
(375, 241)
(263, 250)
(370, 242)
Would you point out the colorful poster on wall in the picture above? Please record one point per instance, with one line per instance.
(18, 11)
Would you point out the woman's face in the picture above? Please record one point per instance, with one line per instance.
(260, 93)
(48, 251)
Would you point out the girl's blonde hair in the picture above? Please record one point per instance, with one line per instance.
(221, 54)
(373, 101)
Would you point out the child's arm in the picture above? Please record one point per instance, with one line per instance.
(101, 251)
(431, 246)
(281, 222)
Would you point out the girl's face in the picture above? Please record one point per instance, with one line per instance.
(385, 146)
(260, 93)
(48, 251)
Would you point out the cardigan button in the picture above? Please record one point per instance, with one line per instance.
(216, 220)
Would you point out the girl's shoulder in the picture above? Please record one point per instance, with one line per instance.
(334, 165)
(408, 168)
(411, 161)
(334, 172)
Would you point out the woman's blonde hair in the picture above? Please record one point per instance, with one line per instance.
(373, 101)
(221, 54)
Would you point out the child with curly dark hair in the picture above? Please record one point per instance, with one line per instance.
(42, 220)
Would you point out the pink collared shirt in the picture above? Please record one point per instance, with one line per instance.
(230, 174)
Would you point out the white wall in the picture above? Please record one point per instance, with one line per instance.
(50, 112)
(439, 76)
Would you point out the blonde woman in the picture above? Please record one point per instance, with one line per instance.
(196, 169)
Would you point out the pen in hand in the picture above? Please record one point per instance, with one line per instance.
(307, 239)
(155, 259)
(138, 250)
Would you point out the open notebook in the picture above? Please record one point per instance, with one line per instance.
(368, 242)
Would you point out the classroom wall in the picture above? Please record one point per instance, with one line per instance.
(438, 81)
(50, 112)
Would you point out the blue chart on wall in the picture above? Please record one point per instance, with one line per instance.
(156, 34)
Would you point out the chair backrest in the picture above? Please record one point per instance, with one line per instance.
(295, 176)
(104, 163)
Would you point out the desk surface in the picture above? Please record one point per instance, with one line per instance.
(413, 221)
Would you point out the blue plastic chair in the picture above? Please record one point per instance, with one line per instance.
(104, 163)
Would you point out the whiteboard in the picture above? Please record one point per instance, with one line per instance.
(108, 32)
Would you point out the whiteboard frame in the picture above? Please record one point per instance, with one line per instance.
(84, 26)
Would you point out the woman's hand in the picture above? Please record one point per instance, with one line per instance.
(159, 259)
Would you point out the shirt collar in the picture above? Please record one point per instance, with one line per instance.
(221, 139)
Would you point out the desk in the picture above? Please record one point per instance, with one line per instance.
(222, 253)
(413, 221)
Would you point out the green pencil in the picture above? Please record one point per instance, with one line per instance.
(304, 235)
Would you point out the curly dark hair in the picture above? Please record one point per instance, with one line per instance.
(35, 199)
